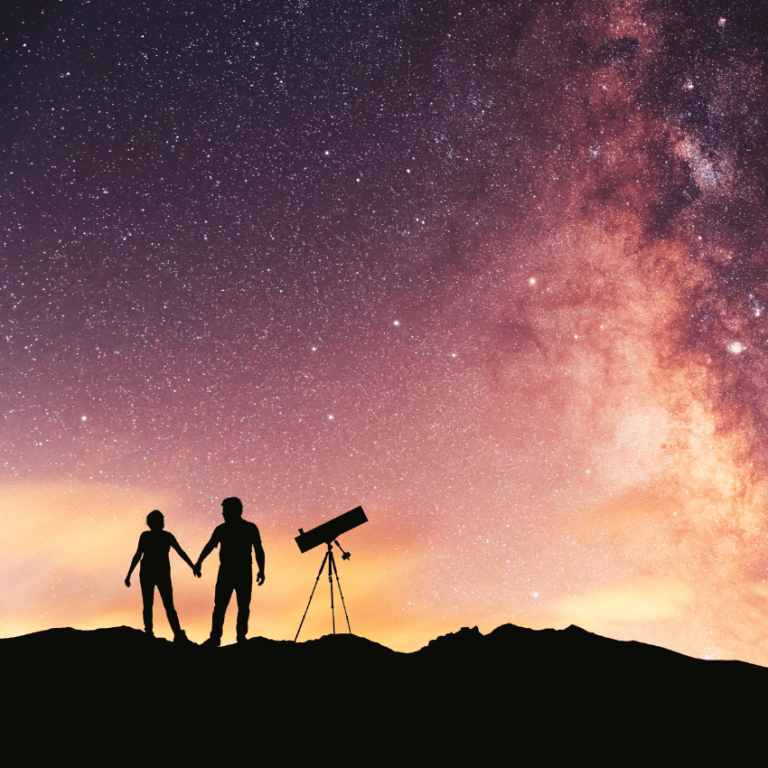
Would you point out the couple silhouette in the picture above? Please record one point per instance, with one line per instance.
(235, 538)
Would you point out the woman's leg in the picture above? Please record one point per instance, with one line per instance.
(148, 597)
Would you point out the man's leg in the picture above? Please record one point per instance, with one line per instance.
(243, 588)
(148, 598)
(224, 587)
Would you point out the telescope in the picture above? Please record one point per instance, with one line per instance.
(327, 534)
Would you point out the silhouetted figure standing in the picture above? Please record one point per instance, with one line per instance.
(236, 537)
(155, 571)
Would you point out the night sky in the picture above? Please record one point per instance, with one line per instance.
(495, 271)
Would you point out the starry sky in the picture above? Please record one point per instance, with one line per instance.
(494, 271)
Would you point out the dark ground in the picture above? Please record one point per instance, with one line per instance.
(527, 696)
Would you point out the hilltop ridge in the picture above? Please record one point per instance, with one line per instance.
(462, 692)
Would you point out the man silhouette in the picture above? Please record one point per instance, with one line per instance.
(235, 537)
(153, 550)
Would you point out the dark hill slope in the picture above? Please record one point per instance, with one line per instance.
(530, 695)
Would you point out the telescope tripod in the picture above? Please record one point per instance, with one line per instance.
(331, 572)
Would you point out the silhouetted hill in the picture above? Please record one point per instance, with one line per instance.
(517, 694)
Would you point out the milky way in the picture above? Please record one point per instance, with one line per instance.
(494, 271)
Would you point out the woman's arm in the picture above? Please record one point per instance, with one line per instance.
(134, 562)
(182, 553)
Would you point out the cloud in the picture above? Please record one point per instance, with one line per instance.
(646, 600)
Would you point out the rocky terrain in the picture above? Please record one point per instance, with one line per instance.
(515, 694)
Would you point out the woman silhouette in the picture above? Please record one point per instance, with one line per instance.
(154, 548)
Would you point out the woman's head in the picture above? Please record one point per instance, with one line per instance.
(155, 520)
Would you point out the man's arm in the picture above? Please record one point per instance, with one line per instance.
(207, 549)
(259, 552)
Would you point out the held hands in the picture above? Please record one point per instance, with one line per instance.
(196, 569)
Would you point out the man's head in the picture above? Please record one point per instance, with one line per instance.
(232, 508)
(155, 520)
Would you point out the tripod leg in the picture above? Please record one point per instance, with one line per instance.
(310, 597)
(333, 562)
